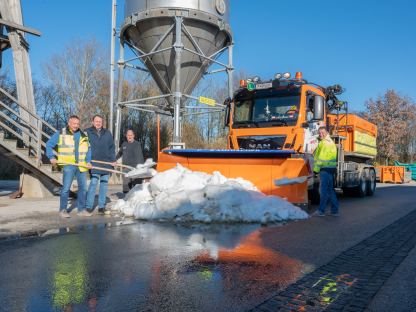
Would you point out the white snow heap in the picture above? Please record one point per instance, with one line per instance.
(180, 194)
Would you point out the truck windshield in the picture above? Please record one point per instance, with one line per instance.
(262, 112)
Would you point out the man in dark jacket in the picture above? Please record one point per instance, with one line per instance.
(132, 155)
(102, 149)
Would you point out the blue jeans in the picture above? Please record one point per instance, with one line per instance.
(95, 177)
(327, 192)
(69, 172)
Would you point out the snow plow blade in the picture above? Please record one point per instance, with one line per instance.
(261, 168)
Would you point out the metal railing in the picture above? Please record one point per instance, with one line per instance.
(33, 132)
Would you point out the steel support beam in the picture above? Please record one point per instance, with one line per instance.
(177, 92)
(230, 71)
(112, 65)
(119, 96)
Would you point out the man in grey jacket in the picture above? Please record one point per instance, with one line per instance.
(132, 155)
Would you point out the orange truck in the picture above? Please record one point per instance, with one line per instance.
(273, 132)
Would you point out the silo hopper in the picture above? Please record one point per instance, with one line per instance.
(151, 28)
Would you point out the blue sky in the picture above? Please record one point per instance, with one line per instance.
(367, 46)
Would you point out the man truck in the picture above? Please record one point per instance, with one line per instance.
(273, 132)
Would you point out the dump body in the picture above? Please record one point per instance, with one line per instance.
(392, 174)
(360, 134)
(409, 167)
(357, 147)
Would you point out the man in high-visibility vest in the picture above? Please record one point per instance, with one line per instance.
(325, 163)
(74, 155)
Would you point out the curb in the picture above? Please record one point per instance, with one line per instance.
(64, 230)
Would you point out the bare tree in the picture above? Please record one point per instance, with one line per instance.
(407, 141)
(48, 105)
(395, 119)
(210, 125)
(79, 78)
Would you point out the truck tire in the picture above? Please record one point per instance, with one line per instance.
(361, 189)
(371, 182)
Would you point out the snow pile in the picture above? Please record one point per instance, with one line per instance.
(180, 194)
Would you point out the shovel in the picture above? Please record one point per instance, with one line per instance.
(286, 181)
(140, 172)
(92, 167)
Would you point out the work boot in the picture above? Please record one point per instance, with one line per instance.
(84, 213)
(318, 214)
(104, 211)
(336, 214)
(64, 214)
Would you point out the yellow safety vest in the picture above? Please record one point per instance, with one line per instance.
(66, 149)
(325, 155)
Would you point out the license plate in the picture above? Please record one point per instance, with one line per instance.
(266, 85)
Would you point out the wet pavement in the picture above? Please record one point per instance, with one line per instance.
(143, 267)
(165, 267)
(353, 278)
(31, 217)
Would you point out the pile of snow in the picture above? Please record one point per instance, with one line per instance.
(180, 194)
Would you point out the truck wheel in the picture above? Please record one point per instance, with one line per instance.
(361, 189)
(371, 182)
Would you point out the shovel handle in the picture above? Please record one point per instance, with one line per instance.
(109, 163)
(92, 167)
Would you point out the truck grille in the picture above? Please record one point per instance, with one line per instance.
(261, 142)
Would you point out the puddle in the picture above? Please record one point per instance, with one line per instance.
(145, 266)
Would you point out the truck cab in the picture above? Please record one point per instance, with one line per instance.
(279, 114)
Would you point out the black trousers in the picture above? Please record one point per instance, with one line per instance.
(129, 183)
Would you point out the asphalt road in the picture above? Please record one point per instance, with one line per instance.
(163, 267)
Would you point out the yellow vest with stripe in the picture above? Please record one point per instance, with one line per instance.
(66, 149)
(325, 155)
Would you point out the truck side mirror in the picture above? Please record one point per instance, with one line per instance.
(318, 107)
(227, 104)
